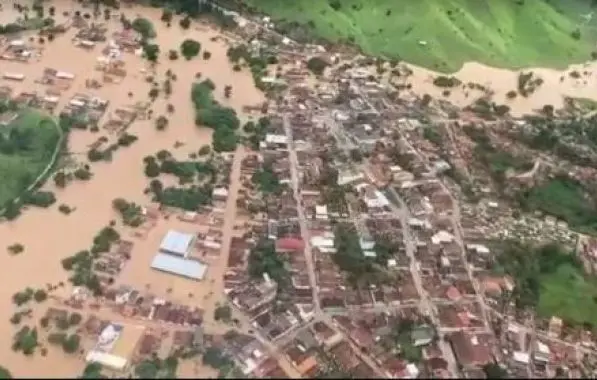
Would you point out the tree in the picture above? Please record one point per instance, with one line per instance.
(223, 313)
(71, 344)
(204, 150)
(74, 319)
(151, 52)
(227, 91)
(5, 373)
(190, 48)
(60, 179)
(92, 370)
(144, 27)
(153, 93)
(40, 295)
(152, 169)
(166, 15)
(16, 248)
(316, 65)
(494, 371)
(185, 23)
(356, 155)
(161, 123)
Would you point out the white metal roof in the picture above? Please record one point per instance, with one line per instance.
(177, 243)
(177, 265)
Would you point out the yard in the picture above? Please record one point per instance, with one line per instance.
(26, 148)
(444, 34)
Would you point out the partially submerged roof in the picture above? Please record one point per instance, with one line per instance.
(177, 243)
(177, 265)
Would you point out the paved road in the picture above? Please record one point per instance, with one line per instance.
(294, 165)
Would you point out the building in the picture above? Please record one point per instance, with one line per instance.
(181, 266)
(115, 346)
(173, 256)
(177, 243)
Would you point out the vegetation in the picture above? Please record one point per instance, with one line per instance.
(144, 27)
(267, 181)
(151, 52)
(447, 82)
(39, 198)
(264, 259)
(563, 198)
(209, 113)
(92, 371)
(70, 345)
(26, 148)
(428, 33)
(190, 48)
(550, 280)
(25, 340)
(15, 249)
(316, 65)
(223, 313)
(130, 212)
(256, 132)
(22, 297)
(156, 368)
(5, 373)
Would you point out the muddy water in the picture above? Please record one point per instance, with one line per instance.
(48, 235)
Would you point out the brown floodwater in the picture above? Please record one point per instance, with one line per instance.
(47, 234)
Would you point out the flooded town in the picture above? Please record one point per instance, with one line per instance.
(205, 197)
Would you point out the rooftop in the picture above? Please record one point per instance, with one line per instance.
(177, 243)
(177, 265)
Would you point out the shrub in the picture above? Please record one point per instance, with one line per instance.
(190, 48)
(185, 23)
(173, 55)
(71, 344)
(206, 55)
(16, 248)
(40, 295)
(60, 179)
(205, 150)
(74, 319)
(161, 123)
(144, 27)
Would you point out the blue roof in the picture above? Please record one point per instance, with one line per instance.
(180, 266)
(177, 243)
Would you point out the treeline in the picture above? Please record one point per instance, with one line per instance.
(209, 113)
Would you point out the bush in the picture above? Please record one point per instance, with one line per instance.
(166, 15)
(152, 169)
(161, 123)
(56, 338)
(16, 318)
(16, 248)
(71, 344)
(74, 319)
(185, 23)
(190, 48)
(83, 174)
(39, 198)
(40, 295)
(60, 179)
(204, 150)
(206, 55)
(173, 55)
(443, 81)
(223, 313)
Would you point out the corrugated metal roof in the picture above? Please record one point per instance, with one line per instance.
(176, 242)
(180, 266)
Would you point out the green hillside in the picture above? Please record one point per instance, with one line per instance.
(505, 33)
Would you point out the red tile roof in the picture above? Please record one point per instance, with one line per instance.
(290, 244)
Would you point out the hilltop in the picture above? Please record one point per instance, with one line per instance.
(442, 35)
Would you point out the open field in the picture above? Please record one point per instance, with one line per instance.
(444, 34)
(569, 295)
(33, 137)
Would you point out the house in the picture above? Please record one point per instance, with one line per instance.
(471, 350)
(422, 335)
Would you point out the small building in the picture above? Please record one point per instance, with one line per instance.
(115, 346)
(179, 265)
(177, 243)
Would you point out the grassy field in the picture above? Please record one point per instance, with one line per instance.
(24, 154)
(569, 295)
(503, 33)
